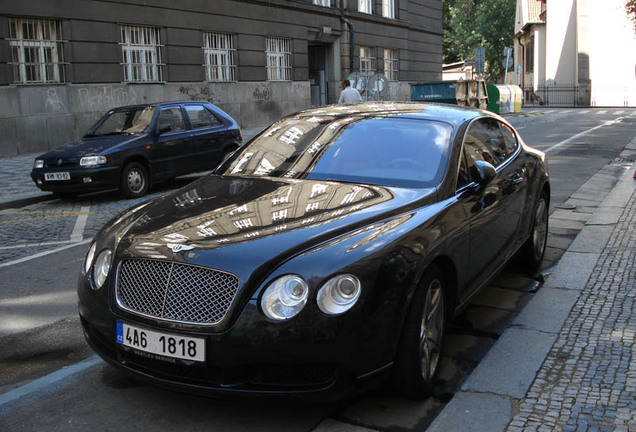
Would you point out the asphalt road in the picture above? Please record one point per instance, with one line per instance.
(42, 248)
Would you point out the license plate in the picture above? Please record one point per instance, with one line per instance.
(164, 344)
(56, 176)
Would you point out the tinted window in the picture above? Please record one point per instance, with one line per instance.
(510, 139)
(172, 117)
(200, 117)
(485, 141)
(387, 151)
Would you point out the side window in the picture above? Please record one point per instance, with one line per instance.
(463, 175)
(510, 140)
(485, 141)
(200, 117)
(172, 117)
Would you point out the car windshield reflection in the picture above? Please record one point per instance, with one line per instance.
(384, 151)
(122, 122)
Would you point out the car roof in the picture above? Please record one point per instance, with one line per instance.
(159, 104)
(452, 114)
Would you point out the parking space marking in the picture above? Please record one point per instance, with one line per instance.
(48, 384)
(41, 254)
(80, 224)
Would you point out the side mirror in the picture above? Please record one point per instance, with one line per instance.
(483, 172)
(164, 127)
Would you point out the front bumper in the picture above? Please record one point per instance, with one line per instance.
(253, 358)
(81, 179)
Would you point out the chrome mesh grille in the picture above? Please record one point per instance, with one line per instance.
(175, 292)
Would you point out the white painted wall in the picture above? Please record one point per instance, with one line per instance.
(612, 49)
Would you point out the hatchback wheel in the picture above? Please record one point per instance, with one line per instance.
(134, 180)
(420, 351)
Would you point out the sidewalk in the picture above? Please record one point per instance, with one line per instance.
(568, 362)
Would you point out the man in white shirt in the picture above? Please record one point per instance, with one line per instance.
(349, 95)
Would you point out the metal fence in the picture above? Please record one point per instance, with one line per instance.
(551, 95)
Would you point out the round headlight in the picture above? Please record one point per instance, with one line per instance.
(285, 297)
(39, 163)
(88, 261)
(339, 294)
(102, 267)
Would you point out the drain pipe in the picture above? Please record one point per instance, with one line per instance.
(351, 36)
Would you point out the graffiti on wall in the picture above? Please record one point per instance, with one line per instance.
(261, 95)
(101, 98)
(54, 102)
(203, 93)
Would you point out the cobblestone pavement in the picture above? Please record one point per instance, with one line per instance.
(588, 380)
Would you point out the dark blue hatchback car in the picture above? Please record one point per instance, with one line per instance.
(131, 147)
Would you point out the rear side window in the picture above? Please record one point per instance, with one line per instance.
(200, 117)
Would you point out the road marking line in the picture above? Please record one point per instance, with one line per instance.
(41, 254)
(580, 134)
(584, 112)
(78, 230)
(619, 112)
(28, 245)
(601, 112)
(48, 384)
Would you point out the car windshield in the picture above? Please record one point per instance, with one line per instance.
(124, 121)
(385, 151)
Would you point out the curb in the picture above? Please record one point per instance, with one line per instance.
(507, 372)
(22, 202)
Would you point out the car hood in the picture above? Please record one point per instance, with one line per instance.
(88, 146)
(239, 224)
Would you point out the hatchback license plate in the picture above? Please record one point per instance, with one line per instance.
(56, 176)
(164, 344)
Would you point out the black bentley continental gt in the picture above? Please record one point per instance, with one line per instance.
(328, 253)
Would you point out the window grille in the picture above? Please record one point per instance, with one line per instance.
(367, 60)
(218, 52)
(388, 8)
(391, 64)
(326, 3)
(365, 6)
(36, 51)
(278, 59)
(141, 50)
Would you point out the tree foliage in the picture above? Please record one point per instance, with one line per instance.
(630, 8)
(472, 23)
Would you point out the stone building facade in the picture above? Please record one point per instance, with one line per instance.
(65, 62)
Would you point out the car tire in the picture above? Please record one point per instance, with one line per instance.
(420, 351)
(134, 180)
(533, 250)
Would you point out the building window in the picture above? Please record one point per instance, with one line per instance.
(141, 50)
(365, 6)
(36, 51)
(367, 60)
(391, 64)
(218, 52)
(388, 8)
(530, 56)
(326, 3)
(278, 59)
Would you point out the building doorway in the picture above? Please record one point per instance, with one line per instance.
(318, 74)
